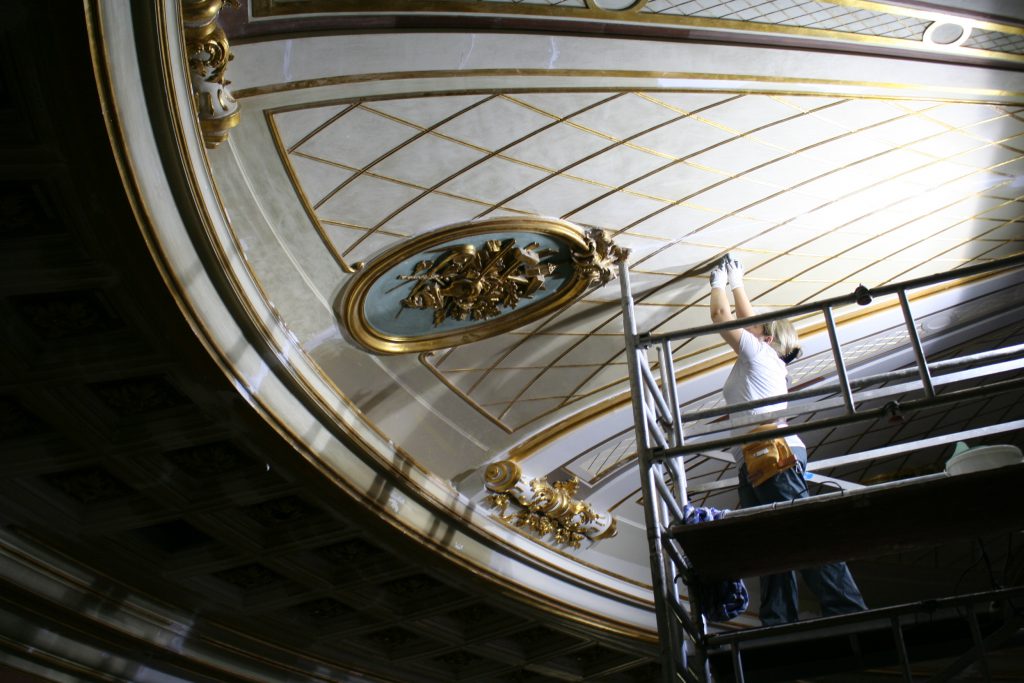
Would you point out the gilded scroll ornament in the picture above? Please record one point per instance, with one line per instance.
(470, 284)
(208, 56)
(596, 263)
(544, 508)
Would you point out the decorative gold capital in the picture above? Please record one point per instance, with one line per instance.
(546, 509)
(208, 56)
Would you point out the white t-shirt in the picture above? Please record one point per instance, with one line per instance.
(758, 373)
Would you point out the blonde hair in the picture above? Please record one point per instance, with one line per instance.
(785, 341)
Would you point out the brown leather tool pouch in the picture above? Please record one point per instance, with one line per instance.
(765, 459)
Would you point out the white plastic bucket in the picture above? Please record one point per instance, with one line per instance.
(982, 458)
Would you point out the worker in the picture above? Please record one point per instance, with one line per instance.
(763, 352)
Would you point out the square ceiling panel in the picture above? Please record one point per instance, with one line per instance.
(624, 117)
(446, 158)
(619, 165)
(475, 127)
(739, 155)
(744, 114)
(494, 179)
(356, 138)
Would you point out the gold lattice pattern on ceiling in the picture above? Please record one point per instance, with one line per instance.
(801, 13)
(801, 188)
(843, 20)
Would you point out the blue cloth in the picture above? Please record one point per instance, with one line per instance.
(832, 584)
(720, 600)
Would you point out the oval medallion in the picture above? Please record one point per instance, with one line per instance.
(471, 281)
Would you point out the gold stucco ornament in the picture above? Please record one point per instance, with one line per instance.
(598, 260)
(208, 57)
(476, 284)
(472, 281)
(546, 509)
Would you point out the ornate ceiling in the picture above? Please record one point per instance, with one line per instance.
(824, 144)
(815, 180)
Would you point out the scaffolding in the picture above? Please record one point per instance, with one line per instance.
(683, 555)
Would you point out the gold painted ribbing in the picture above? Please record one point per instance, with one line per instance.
(639, 221)
(455, 371)
(488, 155)
(951, 93)
(760, 166)
(709, 122)
(553, 173)
(424, 191)
(520, 192)
(351, 226)
(622, 445)
(807, 181)
(729, 176)
(389, 179)
(408, 141)
(634, 16)
(871, 238)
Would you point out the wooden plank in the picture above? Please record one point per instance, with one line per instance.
(865, 523)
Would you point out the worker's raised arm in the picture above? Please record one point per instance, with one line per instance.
(734, 271)
(720, 311)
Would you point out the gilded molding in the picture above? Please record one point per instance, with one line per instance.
(546, 509)
(692, 16)
(208, 55)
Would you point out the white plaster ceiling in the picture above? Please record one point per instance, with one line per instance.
(819, 172)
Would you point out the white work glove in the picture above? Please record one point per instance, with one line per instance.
(734, 271)
(719, 279)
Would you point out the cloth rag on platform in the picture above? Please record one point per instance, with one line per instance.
(720, 600)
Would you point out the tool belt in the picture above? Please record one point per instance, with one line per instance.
(765, 459)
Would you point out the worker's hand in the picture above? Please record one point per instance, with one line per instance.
(734, 271)
(719, 278)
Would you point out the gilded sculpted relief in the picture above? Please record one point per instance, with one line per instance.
(467, 283)
(472, 281)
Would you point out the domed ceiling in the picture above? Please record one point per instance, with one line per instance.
(371, 170)
(343, 397)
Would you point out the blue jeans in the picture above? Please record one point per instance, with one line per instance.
(831, 583)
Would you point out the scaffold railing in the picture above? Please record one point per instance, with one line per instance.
(663, 442)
